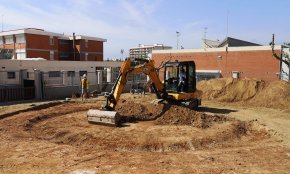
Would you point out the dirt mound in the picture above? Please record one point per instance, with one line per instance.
(249, 91)
(275, 95)
(177, 115)
(166, 114)
(132, 111)
(229, 89)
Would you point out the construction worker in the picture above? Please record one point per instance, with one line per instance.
(85, 86)
(182, 79)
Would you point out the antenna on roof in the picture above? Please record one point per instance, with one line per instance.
(2, 22)
(204, 33)
(227, 23)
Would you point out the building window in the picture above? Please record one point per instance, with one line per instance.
(63, 54)
(86, 56)
(1, 40)
(83, 72)
(8, 39)
(70, 73)
(86, 44)
(51, 40)
(11, 75)
(51, 55)
(63, 42)
(54, 74)
(20, 38)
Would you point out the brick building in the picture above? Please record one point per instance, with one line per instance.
(240, 62)
(32, 43)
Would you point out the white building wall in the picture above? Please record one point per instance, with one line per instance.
(46, 66)
(285, 73)
(4, 77)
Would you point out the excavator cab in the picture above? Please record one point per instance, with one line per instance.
(179, 77)
(180, 83)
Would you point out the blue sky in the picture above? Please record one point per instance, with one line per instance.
(127, 23)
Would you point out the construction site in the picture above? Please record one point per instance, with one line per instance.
(149, 87)
(242, 126)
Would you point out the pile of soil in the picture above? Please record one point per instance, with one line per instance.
(275, 95)
(131, 111)
(166, 114)
(253, 92)
(177, 115)
(229, 89)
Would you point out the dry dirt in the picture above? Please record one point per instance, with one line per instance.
(248, 92)
(56, 138)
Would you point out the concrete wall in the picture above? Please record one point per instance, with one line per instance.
(4, 77)
(45, 66)
(250, 62)
(56, 87)
(60, 92)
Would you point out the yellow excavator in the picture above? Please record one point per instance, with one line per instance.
(178, 87)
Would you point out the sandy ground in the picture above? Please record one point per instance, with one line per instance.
(58, 139)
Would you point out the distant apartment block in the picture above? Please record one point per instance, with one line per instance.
(142, 51)
(35, 43)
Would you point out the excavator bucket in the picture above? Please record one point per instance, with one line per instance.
(103, 117)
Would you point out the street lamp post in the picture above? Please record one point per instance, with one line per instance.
(122, 52)
(177, 39)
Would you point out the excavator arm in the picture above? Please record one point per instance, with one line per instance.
(146, 68)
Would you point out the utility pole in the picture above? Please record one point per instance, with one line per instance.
(74, 48)
(122, 52)
(177, 38)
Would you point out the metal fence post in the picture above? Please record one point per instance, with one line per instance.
(38, 85)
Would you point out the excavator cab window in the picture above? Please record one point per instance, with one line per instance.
(180, 77)
(171, 78)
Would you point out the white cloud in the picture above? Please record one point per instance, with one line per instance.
(73, 19)
(132, 22)
(133, 13)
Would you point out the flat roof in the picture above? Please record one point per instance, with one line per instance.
(37, 31)
(222, 49)
(151, 46)
(78, 37)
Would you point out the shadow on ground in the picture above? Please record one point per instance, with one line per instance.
(215, 110)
